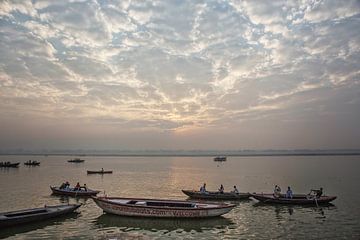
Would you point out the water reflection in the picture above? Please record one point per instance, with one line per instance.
(12, 231)
(292, 209)
(68, 199)
(152, 224)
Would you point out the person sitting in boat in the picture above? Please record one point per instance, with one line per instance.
(289, 193)
(203, 188)
(63, 186)
(318, 192)
(77, 187)
(221, 189)
(84, 187)
(235, 190)
(277, 191)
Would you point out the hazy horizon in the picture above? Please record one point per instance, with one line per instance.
(179, 75)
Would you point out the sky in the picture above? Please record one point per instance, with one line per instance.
(178, 74)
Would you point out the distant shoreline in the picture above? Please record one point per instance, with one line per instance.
(193, 154)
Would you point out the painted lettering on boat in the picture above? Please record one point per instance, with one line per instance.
(155, 212)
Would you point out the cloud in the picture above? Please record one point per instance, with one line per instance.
(179, 66)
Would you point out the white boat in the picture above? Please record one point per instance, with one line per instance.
(140, 207)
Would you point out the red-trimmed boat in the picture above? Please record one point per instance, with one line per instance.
(160, 208)
(216, 195)
(35, 214)
(74, 193)
(297, 199)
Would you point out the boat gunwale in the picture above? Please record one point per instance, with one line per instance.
(219, 205)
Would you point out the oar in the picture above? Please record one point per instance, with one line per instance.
(317, 205)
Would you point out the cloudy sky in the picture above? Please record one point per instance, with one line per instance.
(179, 74)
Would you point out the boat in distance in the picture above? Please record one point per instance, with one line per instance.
(220, 159)
(216, 195)
(9, 165)
(32, 163)
(35, 214)
(74, 193)
(161, 208)
(76, 160)
(297, 199)
(99, 172)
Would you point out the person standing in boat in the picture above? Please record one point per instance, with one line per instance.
(203, 188)
(221, 189)
(289, 193)
(277, 191)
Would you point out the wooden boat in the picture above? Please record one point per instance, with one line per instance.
(140, 207)
(35, 214)
(74, 193)
(298, 199)
(32, 163)
(99, 172)
(220, 159)
(76, 160)
(216, 195)
(9, 165)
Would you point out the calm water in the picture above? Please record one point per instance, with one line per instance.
(164, 177)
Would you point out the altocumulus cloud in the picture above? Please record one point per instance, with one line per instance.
(178, 66)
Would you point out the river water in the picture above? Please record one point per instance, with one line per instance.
(164, 177)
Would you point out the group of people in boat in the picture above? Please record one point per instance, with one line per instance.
(78, 187)
(32, 162)
(220, 190)
(5, 163)
(289, 193)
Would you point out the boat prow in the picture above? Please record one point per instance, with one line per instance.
(160, 208)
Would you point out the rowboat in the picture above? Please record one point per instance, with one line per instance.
(99, 172)
(32, 163)
(9, 165)
(160, 208)
(216, 195)
(220, 159)
(76, 160)
(298, 199)
(35, 214)
(74, 193)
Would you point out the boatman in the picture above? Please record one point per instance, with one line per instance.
(289, 193)
(203, 188)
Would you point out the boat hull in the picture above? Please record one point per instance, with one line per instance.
(32, 164)
(72, 193)
(99, 172)
(216, 195)
(37, 214)
(299, 199)
(122, 209)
